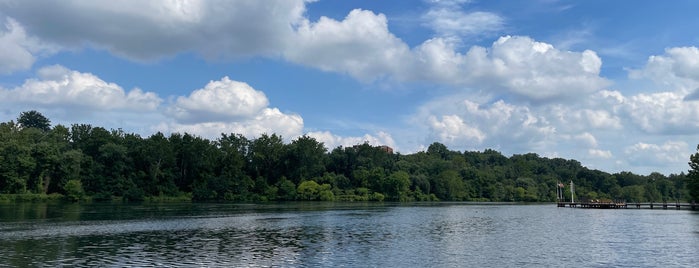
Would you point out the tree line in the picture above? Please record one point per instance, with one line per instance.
(88, 162)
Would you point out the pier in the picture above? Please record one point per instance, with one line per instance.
(621, 204)
(614, 204)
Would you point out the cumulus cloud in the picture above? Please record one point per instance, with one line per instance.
(601, 126)
(604, 154)
(469, 125)
(269, 120)
(676, 70)
(332, 141)
(583, 116)
(663, 113)
(73, 90)
(223, 106)
(360, 45)
(68, 97)
(539, 71)
(669, 109)
(219, 100)
(532, 71)
(668, 153)
(151, 29)
(452, 128)
(587, 139)
(228, 106)
(18, 49)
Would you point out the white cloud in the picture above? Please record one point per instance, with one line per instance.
(362, 46)
(76, 91)
(227, 106)
(606, 119)
(583, 116)
(604, 154)
(466, 124)
(530, 70)
(601, 119)
(676, 70)
(269, 120)
(219, 100)
(152, 29)
(359, 45)
(18, 49)
(223, 106)
(649, 154)
(452, 128)
(663, 113)
(538, 71)
(332, 141)
(669, 109)
(587, 139)
(453, 22)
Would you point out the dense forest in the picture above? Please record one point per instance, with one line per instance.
(84, 162)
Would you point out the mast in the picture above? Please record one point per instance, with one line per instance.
(572, 192)
(559, 191)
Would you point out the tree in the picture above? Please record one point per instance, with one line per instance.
(308, 190)
(266, 159)
(305, 159)
(74, 190)
(34, 119)
(397, 185)
(693, 176)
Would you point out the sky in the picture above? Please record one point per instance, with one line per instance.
(612, 84)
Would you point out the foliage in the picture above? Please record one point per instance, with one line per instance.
(88, 162)
(693, 176)
(74, 190)
(34, 119)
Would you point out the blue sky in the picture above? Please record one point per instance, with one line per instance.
(612, 84)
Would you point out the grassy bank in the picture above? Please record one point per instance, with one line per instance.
(30, 197)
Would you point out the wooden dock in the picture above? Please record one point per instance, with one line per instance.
(618, 205)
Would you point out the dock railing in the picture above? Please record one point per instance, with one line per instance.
(616, 204)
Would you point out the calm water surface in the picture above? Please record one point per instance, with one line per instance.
(345, 235)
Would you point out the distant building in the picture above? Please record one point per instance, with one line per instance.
(386, 149)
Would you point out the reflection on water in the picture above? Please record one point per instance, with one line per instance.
(332, 234)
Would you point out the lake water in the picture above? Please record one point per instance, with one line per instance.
(344, 235)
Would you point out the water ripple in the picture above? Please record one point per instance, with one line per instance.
(389, 235)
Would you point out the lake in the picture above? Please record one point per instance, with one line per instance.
(344, 234)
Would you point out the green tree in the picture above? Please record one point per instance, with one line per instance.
(305, 159)
(16, 161)
(308, 190)
(397, 186)
(267, 158)
(34, 119)
(232, 163)
(287, 189)
(449, 186)
(693, 176)
(74, 190)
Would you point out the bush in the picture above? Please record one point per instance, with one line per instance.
(134, 194)
(327, 195)
(74, 190)
(377, 197)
